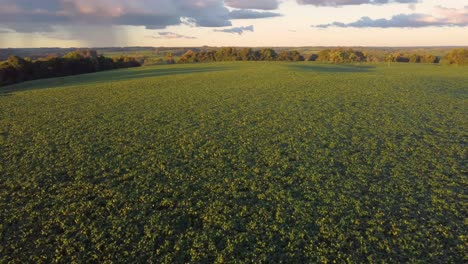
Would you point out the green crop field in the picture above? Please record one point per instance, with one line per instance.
(237, 162)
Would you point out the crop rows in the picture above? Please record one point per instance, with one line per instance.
(237, 162)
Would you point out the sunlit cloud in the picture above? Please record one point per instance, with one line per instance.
(236, 30)
(251, 14)
(442, 17)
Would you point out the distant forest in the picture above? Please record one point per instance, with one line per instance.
(337, 55)
(16, 69)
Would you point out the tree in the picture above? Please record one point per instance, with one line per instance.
(396, 57)
(457, 57)
(77, 63)
(170, 58)
(390, 58)
(415, 58)
(338, 56)
(226, 54)
(267, 55)
(105, 63)
(296, 56)
(401, 58)
(49, 67)
(313, 57)
(8, 74)
(22, 69)
(247, 54)
(359, 56)
(188, 57)
(284, 56)
(206, 56)
(324, 55)
(429, 58)
(372, 58)
(290, 56)
(341, 55)
(16, 69)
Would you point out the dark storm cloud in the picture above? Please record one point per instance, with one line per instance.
(251, 14)
(148, 20)
(32, 22)
(51, 5)
(443, 17)
(33, 15)
(236, 30)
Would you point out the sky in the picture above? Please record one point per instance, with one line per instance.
(254, 23)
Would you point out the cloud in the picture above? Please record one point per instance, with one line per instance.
(273, 4)
(236, 30)
(170, 35)
(453, 15)
(253, 4)
(445, 17)
(42, 16)
(250, 14)
(352, 2)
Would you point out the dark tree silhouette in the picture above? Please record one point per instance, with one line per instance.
(17, 69)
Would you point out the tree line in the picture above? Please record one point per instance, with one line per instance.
(16, 69)
(341, 55)
(243, 54)
(337, 55)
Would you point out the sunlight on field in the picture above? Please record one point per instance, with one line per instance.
(247, 162)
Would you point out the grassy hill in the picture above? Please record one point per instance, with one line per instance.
(237, 162)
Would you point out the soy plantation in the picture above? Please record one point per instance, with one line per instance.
(263, 162)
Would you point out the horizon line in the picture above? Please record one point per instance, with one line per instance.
(234, 46)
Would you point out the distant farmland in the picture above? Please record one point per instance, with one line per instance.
(237, 162)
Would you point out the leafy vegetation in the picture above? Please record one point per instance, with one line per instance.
(457, 56)
(336, 55)
(237, 162)
(17, 69)
(234, 54)
(341, 55)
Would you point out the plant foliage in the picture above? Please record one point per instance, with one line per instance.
(17, 69)
(237, 162)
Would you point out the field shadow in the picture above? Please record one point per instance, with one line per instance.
(332, 68)
(148, 73)
(107, 77)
